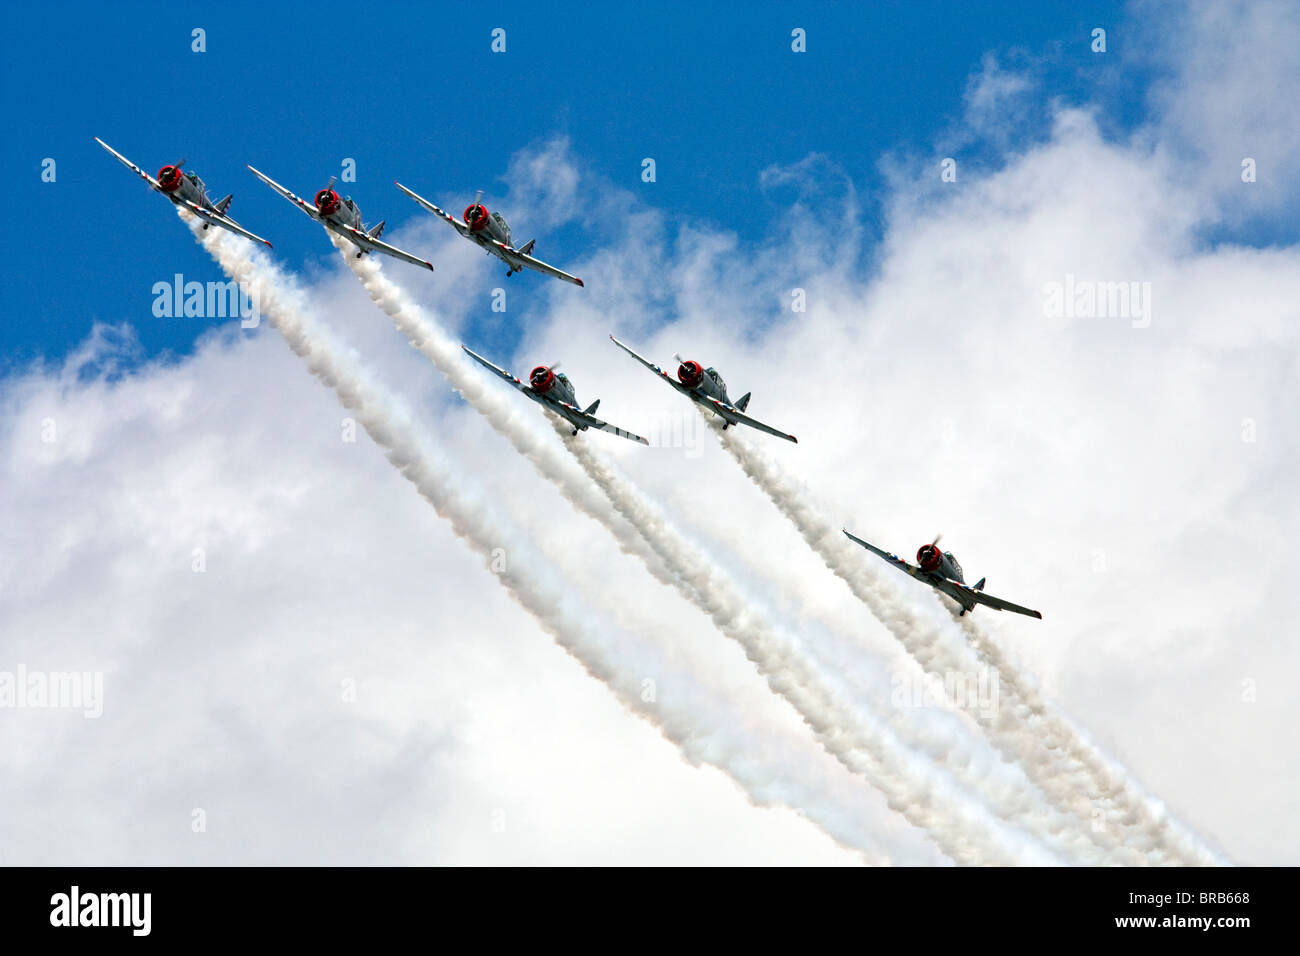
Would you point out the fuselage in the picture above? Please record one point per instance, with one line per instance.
(544, 381)
(176, 183)
(705, 381)
(341, 210)
(487, 225)
(938, 563)
(488, 229)
(942, 567)
(547, 384)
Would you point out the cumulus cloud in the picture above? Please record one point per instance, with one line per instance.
(1129, 474)
(1228, 80)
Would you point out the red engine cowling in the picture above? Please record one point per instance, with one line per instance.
(541, 379)
(169, 178)
(690, 374)
(928, 557)
(327, 202)
(476, 217)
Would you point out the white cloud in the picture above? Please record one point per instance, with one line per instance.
(1227, 94)
(1089, 467)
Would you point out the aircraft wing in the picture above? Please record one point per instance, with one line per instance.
(430, 207)
(578, 416)
(737, 417)
(893, 559)
(955, 589)
(306, 207)
(654, 368)
(729, 413)
(225, 222)
(366, 241)
(131, 166)
(207, 215)
(217, 219)
(574, 414)
(537, 265)
(988, 600)
(498, 371)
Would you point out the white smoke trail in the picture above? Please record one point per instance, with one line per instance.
(496, 406)
(1006, 795)
(1170, 834)
(964, 832)
(595, 647)
(1073, 775)
(874, 750)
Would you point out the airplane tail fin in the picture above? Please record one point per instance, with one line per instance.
(978, 586)
(225, 204)
(744, 402)
(377, 231)
(527, 247)
(591, 409)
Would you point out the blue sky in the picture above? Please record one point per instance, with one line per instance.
(1094, 466)
(713, 95)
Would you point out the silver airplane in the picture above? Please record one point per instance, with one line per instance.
(555, 392)
(705, 387)
(186, 189)
(940, 570)
(342, 216)
(492, 234)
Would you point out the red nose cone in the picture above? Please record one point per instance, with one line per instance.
(169, 177)
(327, 200)
(541, 379)
(690, 374)
(928, 557)
(476, 217)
